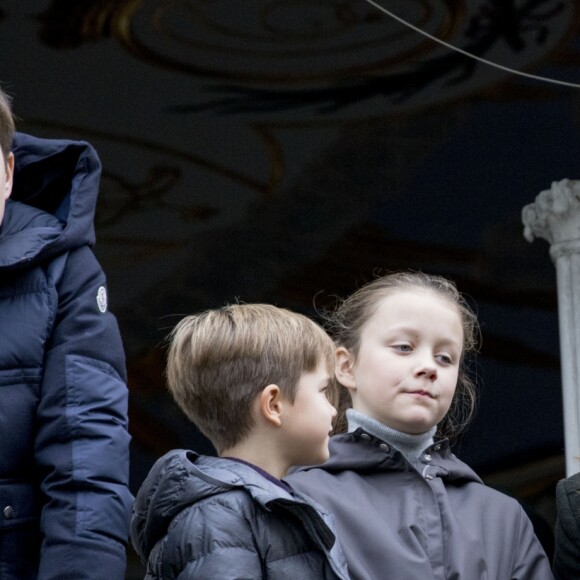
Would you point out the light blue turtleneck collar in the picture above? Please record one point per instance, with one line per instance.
(411, 446)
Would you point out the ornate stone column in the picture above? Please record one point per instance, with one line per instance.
(555, 216)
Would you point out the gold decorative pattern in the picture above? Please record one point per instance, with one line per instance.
(256, 41)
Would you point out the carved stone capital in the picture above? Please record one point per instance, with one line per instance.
(555, 215)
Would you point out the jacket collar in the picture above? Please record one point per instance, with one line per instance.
(24, 233)
(360, 451)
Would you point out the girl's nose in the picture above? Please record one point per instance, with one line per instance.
(427, 369)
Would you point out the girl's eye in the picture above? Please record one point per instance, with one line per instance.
(403, 347)
(446, 359)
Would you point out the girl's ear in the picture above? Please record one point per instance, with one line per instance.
(270, 405)
(344, 362)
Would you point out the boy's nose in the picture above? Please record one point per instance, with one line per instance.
(333, 413)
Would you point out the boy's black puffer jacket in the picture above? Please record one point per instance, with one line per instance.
(203, 518)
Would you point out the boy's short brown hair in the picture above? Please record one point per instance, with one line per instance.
(220, 360)
(6, 124)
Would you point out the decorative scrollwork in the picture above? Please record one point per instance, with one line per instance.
(497, 22)
(258, 41)
(69, 24)
(130, 198)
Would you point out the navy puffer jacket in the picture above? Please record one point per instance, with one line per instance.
(209, 518)
(64, 445)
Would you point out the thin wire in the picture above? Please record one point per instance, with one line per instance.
(469, 54)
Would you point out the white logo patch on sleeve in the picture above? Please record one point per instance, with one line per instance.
(102, 299)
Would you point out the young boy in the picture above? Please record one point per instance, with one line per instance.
(254, 379)
(65, 504)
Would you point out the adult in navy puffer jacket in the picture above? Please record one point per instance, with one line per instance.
(64, 445)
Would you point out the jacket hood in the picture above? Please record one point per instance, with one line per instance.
(61, 178)
(361, 452)
(181, 478)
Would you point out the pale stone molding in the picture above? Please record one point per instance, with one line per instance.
(555, 216)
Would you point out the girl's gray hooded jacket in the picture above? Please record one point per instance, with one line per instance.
(210, 518)
(396, 523)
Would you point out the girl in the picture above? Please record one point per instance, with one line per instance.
(406, 507)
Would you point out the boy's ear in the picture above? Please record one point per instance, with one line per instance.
(9, 176)
(270, 405)
(344, 362)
